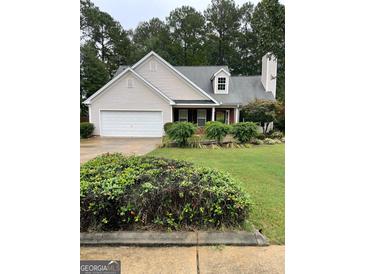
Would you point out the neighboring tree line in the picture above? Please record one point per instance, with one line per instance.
(225, 34)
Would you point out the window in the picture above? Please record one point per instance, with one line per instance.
(202, 117)
(183, 115)
(221, 84)
(153, 66)
(130, 83)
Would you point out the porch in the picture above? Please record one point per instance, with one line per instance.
(201, 115)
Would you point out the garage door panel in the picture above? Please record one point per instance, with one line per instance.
(131, 123)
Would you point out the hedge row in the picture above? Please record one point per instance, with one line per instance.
(120, 192)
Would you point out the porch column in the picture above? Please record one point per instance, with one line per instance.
(237, 116)
(213, 113)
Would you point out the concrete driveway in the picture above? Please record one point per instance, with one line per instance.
(94, 146)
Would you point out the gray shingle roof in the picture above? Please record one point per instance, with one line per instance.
(194, 102)
(242, 89)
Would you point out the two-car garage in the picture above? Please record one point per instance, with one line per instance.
(127, 123)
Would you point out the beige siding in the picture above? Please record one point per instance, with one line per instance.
(119, 96)
(168, 82)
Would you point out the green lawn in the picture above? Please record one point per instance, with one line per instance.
(260, 169)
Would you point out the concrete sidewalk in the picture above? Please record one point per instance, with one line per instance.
(202, 259)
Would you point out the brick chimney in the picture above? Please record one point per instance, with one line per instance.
(268, 73)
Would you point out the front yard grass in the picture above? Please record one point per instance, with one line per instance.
(260, 169)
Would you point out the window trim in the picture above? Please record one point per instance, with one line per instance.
(221, 91)
(187, 115)
(201, 117)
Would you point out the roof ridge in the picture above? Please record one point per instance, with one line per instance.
(246, 76)
(203, 66)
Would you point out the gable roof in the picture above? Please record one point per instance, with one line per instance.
(242, 89)
(120, 75)
(222, 69)
(181, 75)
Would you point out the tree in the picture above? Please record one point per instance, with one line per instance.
(187, 28)
(93, 73)
(223, 21)
(108, 36)
(260, 111)
(268, 29)
(152, 35)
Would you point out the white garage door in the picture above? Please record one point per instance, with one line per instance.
(131, 123)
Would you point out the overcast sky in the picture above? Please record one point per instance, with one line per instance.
(130, 12)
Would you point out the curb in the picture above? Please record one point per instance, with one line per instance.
(200, 238)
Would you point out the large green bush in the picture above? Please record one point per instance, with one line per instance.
(244, 131)
(180, 132)
(86, 129)
(120, 192)
(216, 130)
(166, 126)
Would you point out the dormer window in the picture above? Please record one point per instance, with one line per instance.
(220, 81)
(221, 84)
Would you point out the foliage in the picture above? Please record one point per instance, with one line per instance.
(269, 141)
(86, 129)
(244, 131)
(216, 130)
(260, 111)
(268, 32)
(279, 122)
(276, 135)
(200, 131)
(152, 35)
(223, 22)
(106, 34)
(256, 141)
(187, 28)
(166, 126)
(93, 73)
(180, 132)
(120, 192)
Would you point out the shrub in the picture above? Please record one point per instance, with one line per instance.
(86, 129)
(269, 141)
(277, 141)
(180, 132)
(244, 131)
(276, 135)
(279, 122)
(120, 192)
(216, 130)
(256, 141)
(261, 136)
(166, 126)
(200, 131)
